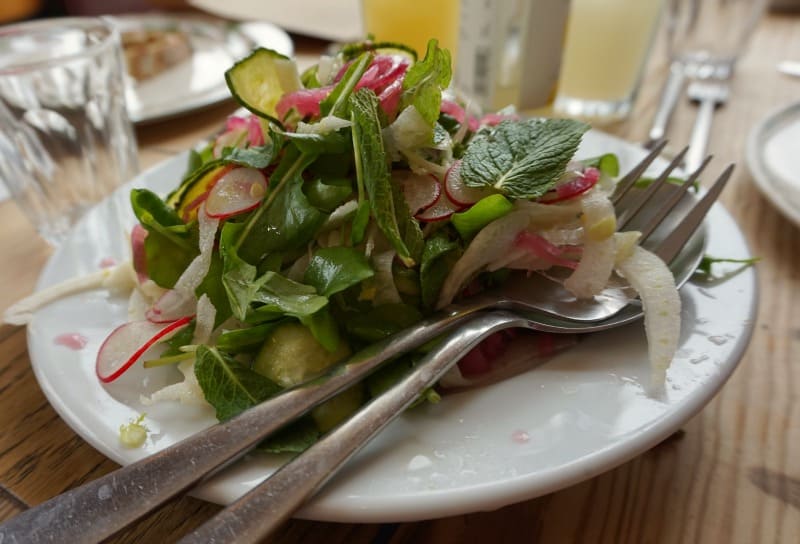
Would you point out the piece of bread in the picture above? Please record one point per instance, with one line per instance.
(149, 52)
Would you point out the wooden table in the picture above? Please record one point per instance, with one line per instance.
(731, 475)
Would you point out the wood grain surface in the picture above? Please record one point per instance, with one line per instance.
(732, 475)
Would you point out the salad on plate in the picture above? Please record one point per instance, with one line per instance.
(346, 204)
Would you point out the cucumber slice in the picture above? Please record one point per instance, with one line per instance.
(329, 414)
(351, 51)
(291, 355)
(259, 80)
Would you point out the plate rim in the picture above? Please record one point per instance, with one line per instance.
(758, 170)
(499, 492)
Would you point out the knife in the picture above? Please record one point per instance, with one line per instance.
(789, 67)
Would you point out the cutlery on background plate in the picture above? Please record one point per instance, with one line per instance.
(789, 67)
(672, 91)
(709, 95)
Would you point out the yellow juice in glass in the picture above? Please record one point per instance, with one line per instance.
(606, 46)
(413, 22)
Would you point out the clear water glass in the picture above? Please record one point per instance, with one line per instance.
(65, 138)
(708, 36)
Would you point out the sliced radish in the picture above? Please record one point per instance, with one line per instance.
(421, 191)
(138, 234)
(173, 305)
(458, 192)
(574, 187)
(441, 210)
(127, 343)
(238, 191)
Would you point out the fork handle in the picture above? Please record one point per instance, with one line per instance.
(96, 510)
(265, 508)
(701, 131)
(669, 98)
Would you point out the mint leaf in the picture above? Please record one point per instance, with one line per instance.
(228, 385)
(334, 269)
(424, 81)
(522, 159)
(372, 170)
(296, 437)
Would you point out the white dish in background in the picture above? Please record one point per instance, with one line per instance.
(336, 21)
(198, 81)
(582, 413)
(772, 149)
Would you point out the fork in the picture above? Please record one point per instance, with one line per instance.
(100, 508)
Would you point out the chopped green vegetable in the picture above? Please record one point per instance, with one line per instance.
(134, 433)
(483, 212)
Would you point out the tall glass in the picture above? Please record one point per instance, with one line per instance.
(413, 22)
(607, 44)
(65, 138)
(707, 37)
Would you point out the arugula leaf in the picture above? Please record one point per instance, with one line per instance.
(213, 286)
(238, 276)
(281, 296)
(170, 244)
(336, 103)
(334, 269)
(253, 157)
(290, 222)
(372, 169)
(434, 267)
(294, 438)
(335, 142)
(181, 338)
(707, 261)
(424, 81)
(228, 385)
(522, 159)
(324, 328)
(381, 321)
(328, 194)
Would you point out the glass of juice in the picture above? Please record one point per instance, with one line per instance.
(606, 47)
(413, 22)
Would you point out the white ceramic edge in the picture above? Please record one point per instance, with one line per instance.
(283, 44)
(753, 157)
(481, 497)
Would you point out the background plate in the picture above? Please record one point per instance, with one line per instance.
(584, 412)
(200, 80)
(772, 149)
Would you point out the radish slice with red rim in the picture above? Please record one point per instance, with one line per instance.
(574, 187)
(459, 193)
(127, 343)
(139, 257)
(440, 211)
(421, 191)
(238, 191)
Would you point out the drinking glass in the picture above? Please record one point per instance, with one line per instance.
(65, 137)
(607, 44)
(707, 36)
(413, 22)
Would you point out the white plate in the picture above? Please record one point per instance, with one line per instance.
(584, 412)
(336, 21)
(199, 81)
(772, 147)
